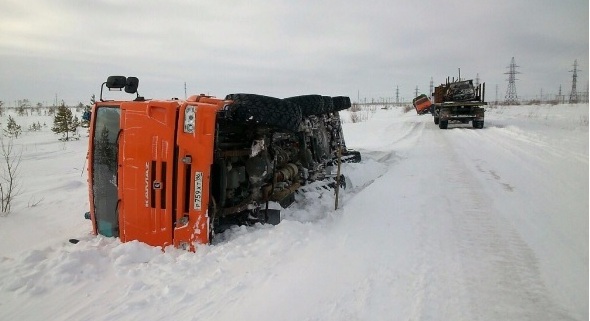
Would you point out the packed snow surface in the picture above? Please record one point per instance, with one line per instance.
(456, 224)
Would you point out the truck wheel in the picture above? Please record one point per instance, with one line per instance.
(328, 104)
(478, 124)
(341, 103)
(436, 119)
(264, 110)
(443, 124)
(309, 104)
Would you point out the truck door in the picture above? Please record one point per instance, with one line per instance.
(146, 158)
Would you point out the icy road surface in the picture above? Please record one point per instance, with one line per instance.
(456, 224)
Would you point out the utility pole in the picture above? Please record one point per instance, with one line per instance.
(416, 95)
(397, 95)
(574, 92)
(511, 96)
(431, 88)
(185, 90)
(497, 93)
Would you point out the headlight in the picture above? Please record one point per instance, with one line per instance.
(189, 119)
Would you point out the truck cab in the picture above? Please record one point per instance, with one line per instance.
(148, 168)
(422, 104)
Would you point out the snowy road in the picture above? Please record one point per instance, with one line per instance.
(457, 224)
(501, 229)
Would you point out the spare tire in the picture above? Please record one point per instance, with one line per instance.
(341, 103)
(309, 104)
(264, 110)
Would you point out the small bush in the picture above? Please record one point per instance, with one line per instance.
(13, 130)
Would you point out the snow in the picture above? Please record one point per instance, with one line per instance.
(456, 224)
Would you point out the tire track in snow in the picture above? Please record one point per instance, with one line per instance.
(511, 135)
(386, 152)
(484, 270)
(544, 195)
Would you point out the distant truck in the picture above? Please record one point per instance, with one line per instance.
(422, 104)
(459, 102)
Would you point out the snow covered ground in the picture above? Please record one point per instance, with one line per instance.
(457, 224)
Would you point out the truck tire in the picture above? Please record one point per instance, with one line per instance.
(328, 104)
(478, 124)
(443, 124)
(341, 103)
(264, 110)
(436, 120)
(309, 104)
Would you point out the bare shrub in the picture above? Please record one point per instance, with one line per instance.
(9, 185)
(34, 202)
(359, 116)
(408, 108)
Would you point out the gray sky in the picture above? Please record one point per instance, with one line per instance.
(286, 48)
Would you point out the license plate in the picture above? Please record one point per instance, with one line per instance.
(198, 199)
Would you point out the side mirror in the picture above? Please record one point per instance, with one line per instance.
(119, 82)
(131, 85)
(116, 82)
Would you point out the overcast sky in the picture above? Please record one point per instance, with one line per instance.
(285, 48)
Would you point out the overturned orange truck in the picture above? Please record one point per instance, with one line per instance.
(175, 172)
(422, 104)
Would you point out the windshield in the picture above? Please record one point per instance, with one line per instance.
(104, 173)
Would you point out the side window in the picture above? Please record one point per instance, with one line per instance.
(105, 137)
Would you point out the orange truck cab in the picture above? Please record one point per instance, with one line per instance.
(422, 104)
(148, 164)
(174, 172)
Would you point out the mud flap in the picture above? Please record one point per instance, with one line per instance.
(272, 216)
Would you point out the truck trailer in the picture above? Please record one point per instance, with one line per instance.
(459, 102)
